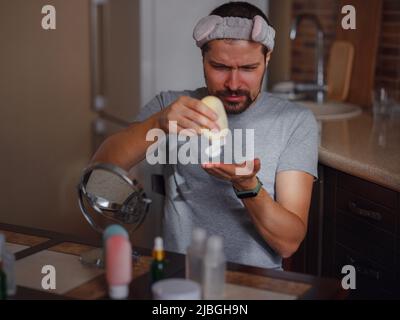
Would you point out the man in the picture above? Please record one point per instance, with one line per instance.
(270, 223)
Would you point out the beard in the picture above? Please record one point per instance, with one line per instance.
(232, 107)
(235, 107)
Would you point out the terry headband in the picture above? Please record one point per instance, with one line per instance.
(216, 27)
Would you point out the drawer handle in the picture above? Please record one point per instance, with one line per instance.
(364, 212)
(363, 270)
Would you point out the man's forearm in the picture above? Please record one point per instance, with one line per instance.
(127, 147)
(280, 228)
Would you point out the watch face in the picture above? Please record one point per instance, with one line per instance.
(248, 194)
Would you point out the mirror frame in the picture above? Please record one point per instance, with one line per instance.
(82, 193)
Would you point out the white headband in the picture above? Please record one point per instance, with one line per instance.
(216, 27)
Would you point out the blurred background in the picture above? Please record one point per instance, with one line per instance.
(63, 91)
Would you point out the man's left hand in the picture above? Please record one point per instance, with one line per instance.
(234, 173)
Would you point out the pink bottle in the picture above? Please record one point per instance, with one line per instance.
(118, 266)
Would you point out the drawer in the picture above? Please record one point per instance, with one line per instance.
(398, 267)
(330, 176)
(369, 242)
(329, 201)
(366, 210)
(398, 248)
(398, 274)
(368, 190)
(328, 246)
(372, 280)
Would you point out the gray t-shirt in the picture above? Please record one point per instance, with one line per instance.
(285, 138)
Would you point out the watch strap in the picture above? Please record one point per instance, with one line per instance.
(241, 194)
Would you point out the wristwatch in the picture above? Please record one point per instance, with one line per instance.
(249, 193)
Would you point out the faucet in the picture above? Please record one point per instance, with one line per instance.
(319, 70)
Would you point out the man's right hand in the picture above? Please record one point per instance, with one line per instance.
(189, 113)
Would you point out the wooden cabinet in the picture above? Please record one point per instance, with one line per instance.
(361, 228)
(356, 222)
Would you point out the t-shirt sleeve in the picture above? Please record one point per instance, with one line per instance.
(301, 150)
(155, 105)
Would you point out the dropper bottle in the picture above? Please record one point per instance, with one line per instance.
(158, 265)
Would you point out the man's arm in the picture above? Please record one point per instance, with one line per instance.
(282, 223)
(128, 147)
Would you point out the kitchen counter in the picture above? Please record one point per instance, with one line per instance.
(365, 147)
(34, 248)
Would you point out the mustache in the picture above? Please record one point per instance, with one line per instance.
(228, 93)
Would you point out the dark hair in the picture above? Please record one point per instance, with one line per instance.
(237, 9)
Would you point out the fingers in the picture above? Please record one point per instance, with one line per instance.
(230, 173)
(199, 119)
(190, 113)
(184, 131)
(257, 165)
(230, 168)
(200, 107)
(198, 112)
(226, 168)
(188, 124)
(218, 173)
(248, 168)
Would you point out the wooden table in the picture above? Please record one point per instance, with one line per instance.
(35, 244)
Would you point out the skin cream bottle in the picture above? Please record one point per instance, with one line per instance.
(217, 139)
(195, 254)
(118, 266)
(214, 266)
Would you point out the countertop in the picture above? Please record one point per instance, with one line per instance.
(35, 248)
(367, 147)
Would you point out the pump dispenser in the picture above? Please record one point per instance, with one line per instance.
(195, 254)
(214, 269)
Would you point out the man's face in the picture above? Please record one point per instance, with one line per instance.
(234, 70)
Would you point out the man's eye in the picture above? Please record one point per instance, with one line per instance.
(248, 68)
(221, 67)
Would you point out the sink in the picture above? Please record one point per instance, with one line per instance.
(332, 110)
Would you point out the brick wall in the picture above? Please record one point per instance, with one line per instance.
(328, 11)
(388, 63)
(303, 47)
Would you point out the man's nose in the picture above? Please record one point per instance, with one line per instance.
(233, 81)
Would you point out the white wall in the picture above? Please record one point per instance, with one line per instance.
(170, 59)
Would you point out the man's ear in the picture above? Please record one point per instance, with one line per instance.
(267, 57)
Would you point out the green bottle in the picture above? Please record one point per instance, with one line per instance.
(159, 263)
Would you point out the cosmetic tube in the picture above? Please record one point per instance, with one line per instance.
(118, 266)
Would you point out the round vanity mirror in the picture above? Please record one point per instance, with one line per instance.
(108, 196)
